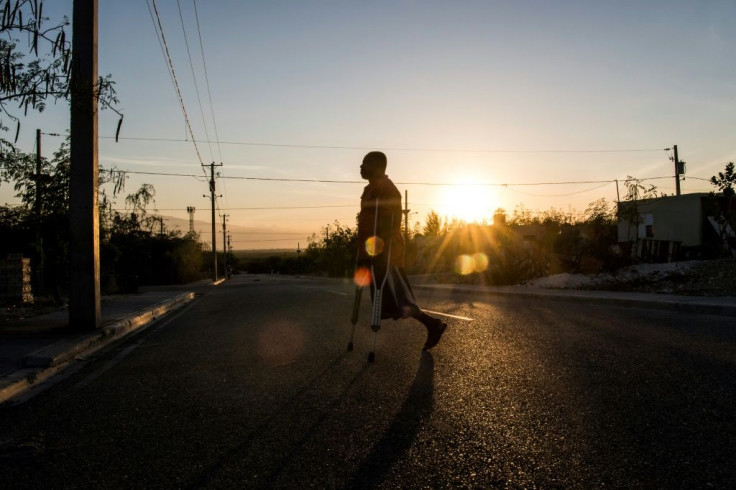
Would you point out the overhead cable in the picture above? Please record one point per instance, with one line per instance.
(366, 148)
(445, 184)
(194, 76)
(207, 79)
(176, 83)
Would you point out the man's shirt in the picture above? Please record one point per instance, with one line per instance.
(386, 225)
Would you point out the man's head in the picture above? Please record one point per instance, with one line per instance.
(374, 165)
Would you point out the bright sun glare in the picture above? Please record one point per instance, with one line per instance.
(470, 203)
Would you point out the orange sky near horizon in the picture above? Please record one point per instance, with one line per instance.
(478, 105)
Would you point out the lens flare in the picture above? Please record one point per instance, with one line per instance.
(374, 246)
(467, 264)
(480, 262)
(362, 277)
(464, 265)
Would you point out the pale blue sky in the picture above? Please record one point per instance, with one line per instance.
(460, 76)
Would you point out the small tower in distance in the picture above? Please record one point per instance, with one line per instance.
(190, 210)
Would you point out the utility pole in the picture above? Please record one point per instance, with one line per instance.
(224, 242)
(406, 216)
(38, 264)
(618, 197)
(38, 175)
(214, 235)
(230, 250)
(84, 296)
(679, 169)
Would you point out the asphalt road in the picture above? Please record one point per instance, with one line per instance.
(251, 386)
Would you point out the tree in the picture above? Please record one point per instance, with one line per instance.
(726, 204)
(600, 212)
(601, 233)
(636, 191)
(522, 216)
(335, 253)
(50, 190)
(629, 210)
(48, 74)
(130, 253)
(433, 226)
(725, 181)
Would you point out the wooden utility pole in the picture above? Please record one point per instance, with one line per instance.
(38, 175)
(84, 295)
(228, 249)
(677, 171)
(38, 260)
(618, 197)
(406, 216)
(224, 242)
(214, 234)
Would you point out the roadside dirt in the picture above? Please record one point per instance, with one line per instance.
(692, 278)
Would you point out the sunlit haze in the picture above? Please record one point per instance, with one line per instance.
(536, 103)
(468, 202)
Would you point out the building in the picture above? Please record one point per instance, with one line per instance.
(673, 227)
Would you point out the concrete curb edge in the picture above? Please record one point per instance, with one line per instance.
(47, 362)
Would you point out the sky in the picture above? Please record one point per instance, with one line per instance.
(477, 104)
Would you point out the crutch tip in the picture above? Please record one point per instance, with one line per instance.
(371, 357)
(350, 347)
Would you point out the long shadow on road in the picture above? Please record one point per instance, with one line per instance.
(395, 442)
(263, 428)
(400, 435)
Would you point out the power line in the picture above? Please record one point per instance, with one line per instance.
(563, 195)
(267, 240)
(268, 233)
(194, 77)
(209, 94)
(297, 207)
(365, 148)
(160, 44)
(176, 83)
(207, 79)
(196, 176)
(260, 208)
(445, 184)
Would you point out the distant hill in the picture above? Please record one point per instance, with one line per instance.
(264, 253)
(245, 237)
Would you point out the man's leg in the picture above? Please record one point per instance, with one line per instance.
(435, 326)
(403, 295)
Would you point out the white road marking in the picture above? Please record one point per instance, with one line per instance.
(464, 318)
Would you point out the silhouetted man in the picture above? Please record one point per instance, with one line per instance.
(379, 235)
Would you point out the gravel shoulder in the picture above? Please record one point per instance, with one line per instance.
(692, 278)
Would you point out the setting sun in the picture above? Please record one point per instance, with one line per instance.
(470, 203)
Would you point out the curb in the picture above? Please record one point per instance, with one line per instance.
(50, 360)
(680, 303)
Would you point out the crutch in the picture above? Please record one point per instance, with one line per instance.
(378, 295)
(356, 306)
